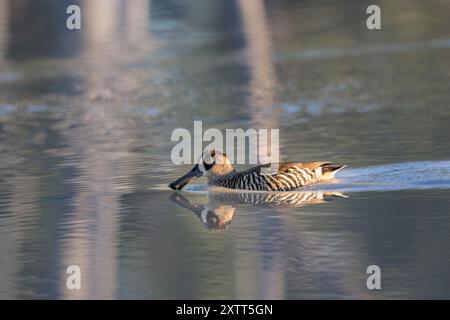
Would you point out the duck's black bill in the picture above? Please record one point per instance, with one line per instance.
(184, 180)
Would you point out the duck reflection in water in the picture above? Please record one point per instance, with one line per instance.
(221, 207)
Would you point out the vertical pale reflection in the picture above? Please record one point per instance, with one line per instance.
(100, 20)
(102, 38)
(102, 145)
(119, 36)
(137, 14)
(270, 283)
(259, 60)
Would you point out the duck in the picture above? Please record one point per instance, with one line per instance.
(218, 170)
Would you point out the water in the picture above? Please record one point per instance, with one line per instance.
(85, 124)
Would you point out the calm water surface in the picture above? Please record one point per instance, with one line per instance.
(85, 125)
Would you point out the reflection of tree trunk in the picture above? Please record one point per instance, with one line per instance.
(104, 161)
(259, 58)
(115, 34)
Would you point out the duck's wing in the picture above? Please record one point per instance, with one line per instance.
(327, 169)
(286, 166)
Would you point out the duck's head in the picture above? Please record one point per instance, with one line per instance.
(212, 164)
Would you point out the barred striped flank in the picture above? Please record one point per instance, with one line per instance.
(281, 181)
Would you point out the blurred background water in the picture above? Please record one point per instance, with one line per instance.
(85, 124)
